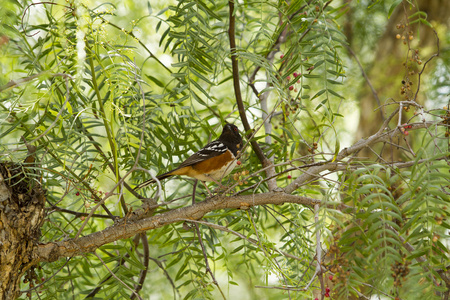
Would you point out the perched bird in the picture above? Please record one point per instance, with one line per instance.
(211, 163)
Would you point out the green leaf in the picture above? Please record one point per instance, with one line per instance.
(335, 94)
(393, 6)
(318, 94)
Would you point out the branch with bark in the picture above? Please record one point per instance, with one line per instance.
(126, 229)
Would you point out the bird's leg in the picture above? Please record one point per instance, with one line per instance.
(209, 192)
(212, 179)
(221, 186)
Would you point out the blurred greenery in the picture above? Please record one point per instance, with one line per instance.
(97, 86)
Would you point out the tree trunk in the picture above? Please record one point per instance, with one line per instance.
(21, 216)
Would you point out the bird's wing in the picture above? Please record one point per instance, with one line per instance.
(213, 149)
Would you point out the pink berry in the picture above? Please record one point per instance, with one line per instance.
(291, 88)
(295, 74)
(298, 81)
(288, 78)
(316, 298)
(281, 56)
(406, 132)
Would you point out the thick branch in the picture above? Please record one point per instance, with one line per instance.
(380, 136)
(78, 246)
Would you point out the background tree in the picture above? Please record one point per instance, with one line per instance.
(98, 97)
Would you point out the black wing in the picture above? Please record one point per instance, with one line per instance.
(213, 149)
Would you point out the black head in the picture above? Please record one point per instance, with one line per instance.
(231, 133)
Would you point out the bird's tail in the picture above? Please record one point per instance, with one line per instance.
(151, 181)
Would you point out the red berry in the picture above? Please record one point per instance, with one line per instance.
(289, 176)
(295, 74)
(330, 277)
(406, 132)
(298, 81)
(281, 56)
(327, 295)
(291, 88)
(78, 194)
(327, 290)
(238, 162)
(288, 78)
(316, 298)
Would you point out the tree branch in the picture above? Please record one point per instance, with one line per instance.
(122, 230)
(380, 136)
(237, 89)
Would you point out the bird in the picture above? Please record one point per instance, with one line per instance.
(212, 162)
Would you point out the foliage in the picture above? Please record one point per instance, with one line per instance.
(101, 90)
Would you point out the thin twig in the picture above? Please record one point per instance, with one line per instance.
(369, 83)
(250, 240)
(65, 76)
(425, 64)
(76, 213)
(120, 263)
(115, 276)
(143, 273)
(160, 265)
(318, 248)
(205, 256)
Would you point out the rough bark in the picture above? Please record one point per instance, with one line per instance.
(21, 217)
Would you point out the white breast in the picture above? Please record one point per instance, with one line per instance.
(218, 174)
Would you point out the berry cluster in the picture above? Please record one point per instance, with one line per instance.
(327, 293)
(405, 89)
(446, 120)
(313, 149)
(96, 193)
(406, 35)
(404, 127)
(400, 270)
(440, 218)
(32, 278)
(296, 75)
(411, 65)
(290, 108)
(238, 176)
(340, 264)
